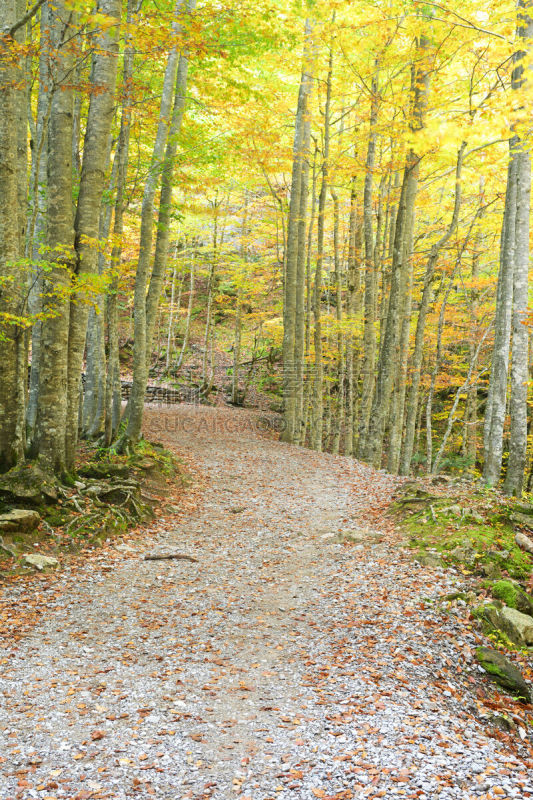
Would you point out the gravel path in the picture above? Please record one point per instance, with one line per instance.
(283, 664)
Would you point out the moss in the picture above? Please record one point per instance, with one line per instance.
(503, 672)
(507, 592)
(465, 541)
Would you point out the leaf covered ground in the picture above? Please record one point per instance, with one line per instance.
(305, 654)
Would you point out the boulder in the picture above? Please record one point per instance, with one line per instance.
(465, 554)
(40, 562)
(513, 596)
(428, 560)
(491, 570)
(524, 508)
(20, 520)
(503, 672)
(28, 482)
(524, 542)
(517, 627)
(522, 520)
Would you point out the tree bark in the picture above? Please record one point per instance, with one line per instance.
(49, 441)
(418, 354)
(514, 478)
(86, 224)
(291, 299)
(11, 291)
(140, 343)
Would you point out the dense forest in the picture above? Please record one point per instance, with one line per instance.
(321, 208)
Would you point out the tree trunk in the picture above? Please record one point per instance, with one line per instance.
(418, 354)
(11, 292)
(318, 385)
(113, 398)
(95, 158)
(189, 315)
(389, 355)
(140, 346)
(165, 198)
(520, 335)
(293, 264)
(50, 426)
(497, 396)
(369, 333)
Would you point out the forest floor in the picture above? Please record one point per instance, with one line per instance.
(287, 662)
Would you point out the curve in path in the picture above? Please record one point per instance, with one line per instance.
(284, 664)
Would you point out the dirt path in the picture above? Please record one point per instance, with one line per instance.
(283, 664)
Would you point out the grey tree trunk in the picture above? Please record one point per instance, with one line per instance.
(87, 221)
(418, 354)
(369, 334)
(49, 441)
(341, 364)
(318, 383)
(353, 303)
(37, 222)
(520, 335)
(389, 355)
(237, 335)
(308, 307)
(186, 332)
(292, 292)
(140, 350)
(11, 292)
(165, 198)
(497, 396)
(112, 388)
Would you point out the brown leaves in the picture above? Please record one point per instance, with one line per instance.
(97, 735)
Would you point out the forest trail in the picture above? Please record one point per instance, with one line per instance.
(284, 664)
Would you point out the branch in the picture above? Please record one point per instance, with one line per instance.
(26, 18)
(466, 22)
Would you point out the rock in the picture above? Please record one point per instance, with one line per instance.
(20, 520)
(503, 673)
(428, 560)
(523, 521)
(463, 554)
(455, 510)
(517, 626)
(40, 562)
(502, 722)
(28, 482)
(524, 508)
(491, 570)
(524, 542)
(513, 596)
(104, 469)
(412, 496)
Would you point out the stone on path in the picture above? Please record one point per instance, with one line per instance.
(40, 562)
